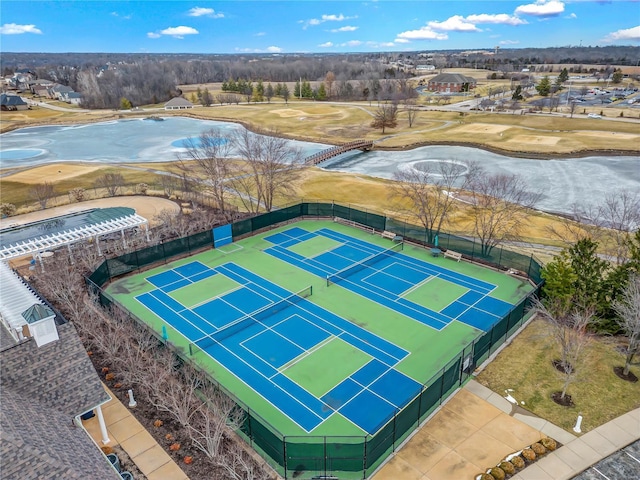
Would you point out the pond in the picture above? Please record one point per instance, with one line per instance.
(563, 182)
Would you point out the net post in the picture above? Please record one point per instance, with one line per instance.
(190, 349)
(327, 280)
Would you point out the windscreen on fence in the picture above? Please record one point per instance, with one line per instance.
(346, 457)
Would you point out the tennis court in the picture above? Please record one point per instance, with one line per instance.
(321, 329)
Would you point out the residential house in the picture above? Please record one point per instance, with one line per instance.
(12, 102)
(46, 383)
(57, 91)
(451, 83)
(39, 84)
(178, 103)
(72, 97)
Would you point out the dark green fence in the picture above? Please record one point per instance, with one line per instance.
(346, 457)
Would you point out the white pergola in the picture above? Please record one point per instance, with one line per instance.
(15, 298)
(36, 245)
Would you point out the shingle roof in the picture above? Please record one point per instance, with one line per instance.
(41, 391)
(58, 375)
(11, 100)
(178, 102)
(452, 78)
(40, 443)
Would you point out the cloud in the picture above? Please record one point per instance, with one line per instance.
(571, 16)
(346, 28)
(424, 33)
(509, 42)
(628, 34)
(456, 23)
(326, 18)
(273, 49)
(500, 18)
(351, 43)
(326, 45)
(175, 32)
(381, 44)
(401, 40)
(15, 29)
(204, 12)
(259, 34)
(541, 8)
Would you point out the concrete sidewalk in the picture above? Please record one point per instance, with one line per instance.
(127, 432)
(477, 428)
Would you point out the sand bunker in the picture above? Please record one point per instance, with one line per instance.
(621, 136)
(482, 128)
(534, 140)
(288, 112)
(52, 173)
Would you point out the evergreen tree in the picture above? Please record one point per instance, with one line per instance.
(517, 94)
(125, 104)
(206, 98)
(617, 76)
(285, 93)
(544, 87)
(225, 87)
(322, 93)
(296, 90)
(268, 93)
(232, 85)
(278, 90)
(199, 95)
(307, 91)
(258, 92)
(563, 76)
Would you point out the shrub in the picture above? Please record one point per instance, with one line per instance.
(549, 443)
(188, 459)
(7, 209)
(158, 423)
(106, 449)
(142, 188)
(484, 476)
(174, 447)
(518, 462)
(168, 436)
(110, 376)
(507, 467)
(78, 194)
(538, 448)
(529, 455)
(497, 473)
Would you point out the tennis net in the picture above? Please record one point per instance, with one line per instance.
(365, 263)
(257, 316)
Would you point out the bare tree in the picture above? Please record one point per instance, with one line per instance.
(169, 184)
(572, 108)
(329, 79)
(627, 306)
(207, 160)
(582, 223)
(425, 194)
(385, 116)
(111, 182)
(499, 205)
(620, 212)
(569, 329)
(42, 193)
(412, 110)
(270, 169)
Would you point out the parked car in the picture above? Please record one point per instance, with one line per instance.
(594, 115)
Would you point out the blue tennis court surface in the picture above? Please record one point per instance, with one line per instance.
(283, 328)
(391, 278)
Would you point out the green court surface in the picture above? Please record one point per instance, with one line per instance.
(321, 368)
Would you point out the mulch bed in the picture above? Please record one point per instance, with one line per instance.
(169, 435)
(630, 377)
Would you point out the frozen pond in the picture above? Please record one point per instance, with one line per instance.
(562, 182)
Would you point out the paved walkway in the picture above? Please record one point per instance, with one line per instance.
(477, 428)
(125, 430)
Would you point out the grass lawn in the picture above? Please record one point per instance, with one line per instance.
(599, 395)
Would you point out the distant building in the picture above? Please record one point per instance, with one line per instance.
(12, 103)
(451, 83)
(178, 103)
(425, 68)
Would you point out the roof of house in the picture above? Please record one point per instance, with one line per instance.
(37, 312)
(61, 88)
(11, 100)
(42, 389)
(58, 375)
(178, 102)
(71, 95)
(39, 443)
(452, 78)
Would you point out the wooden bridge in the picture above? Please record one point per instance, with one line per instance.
(316, 158)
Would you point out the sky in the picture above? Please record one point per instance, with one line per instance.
(291, 26)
